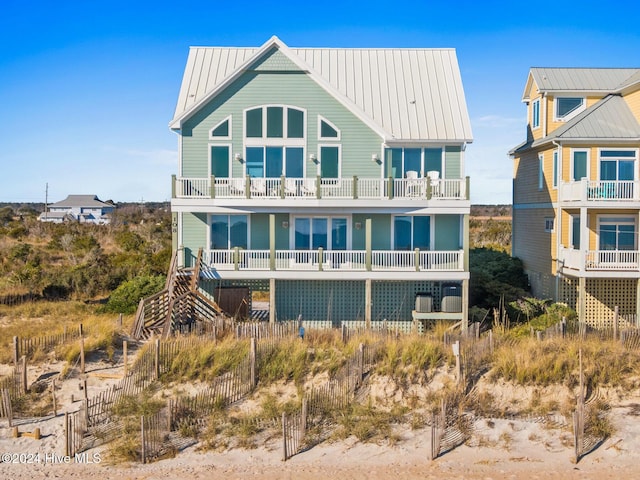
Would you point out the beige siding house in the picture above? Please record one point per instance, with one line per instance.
(576, 190)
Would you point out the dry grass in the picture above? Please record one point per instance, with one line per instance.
(556, 361)
(37, 319)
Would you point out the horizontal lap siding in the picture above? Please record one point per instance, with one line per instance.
(525, 185)
(633, 100)
(294, 88)
(534, 246)
(447, 232)
(194, 232)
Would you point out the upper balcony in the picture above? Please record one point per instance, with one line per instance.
(605, 193)
(321, 188)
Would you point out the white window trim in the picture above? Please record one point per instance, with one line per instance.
(332, 125)
(533, 124)
(571, 169)
(269, 141)
(228, 137)
(284, 162)
(633, 220)
(540, 171)
(619, 149)
(571, 114)
(248, 215)
(432, 229)
(331, 145)
(230, 163)
(548, 220)
(292, 228)
(571, 230)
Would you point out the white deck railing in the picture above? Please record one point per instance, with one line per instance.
(623, 260)
(342, 260)
(328, 188)
(601, 190)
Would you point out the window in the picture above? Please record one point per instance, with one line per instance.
(228, 231)
(617, 233)
(327, 130)
(272, 162)
(535, 113)
(330, 162)
(274, 142)
(540, 172)
(579, 163)
(555, 169)
(568, 107)
(281, 122)
(222, 131)
(575, 232)
(220, 161)
(399, 161)
(549, 224)
(617, 164)
(329, 233)
(411, 232)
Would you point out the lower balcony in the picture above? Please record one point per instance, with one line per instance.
(595, 263)
(335, 263)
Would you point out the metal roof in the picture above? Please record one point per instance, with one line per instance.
(581, 79)
(609, 119)
(81, 201)
(408, 94)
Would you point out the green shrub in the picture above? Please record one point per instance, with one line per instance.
(126, 297)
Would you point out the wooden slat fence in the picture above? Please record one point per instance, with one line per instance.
(154, 433)
(294, 428)
(261, 330)
(16, 381)
(46, 343)
(6, 410)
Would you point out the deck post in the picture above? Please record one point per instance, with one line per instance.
(173, 186)
(367, 242)
(367, 304)
(236, 258)
(355, 187)
(212, 187)
(272, 241)
(320, 255)
(465, 306)
(318, 186)
(282, 192)
(16, 355)
(417, 258)
(247, 186)
(272, 301)
(390, 187)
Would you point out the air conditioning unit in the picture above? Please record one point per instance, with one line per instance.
(424, 303)
(451, 299)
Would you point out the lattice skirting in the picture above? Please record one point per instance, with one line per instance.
(603, 295)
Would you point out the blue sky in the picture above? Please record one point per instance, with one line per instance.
(87, 88)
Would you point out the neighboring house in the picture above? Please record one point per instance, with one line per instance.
(79, 208)
(332, 177)
(576, 191)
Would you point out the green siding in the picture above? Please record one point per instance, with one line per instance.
(282, 234)
(274, 61)
(447, 232)
(194, 234)
(259, 231)
(380, 232)
(452, 162)
(253, 88)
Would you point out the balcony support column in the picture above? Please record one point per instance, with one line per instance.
(212, 187)
(465, 241)
(367, 303)
(582, 300)
(367, 244)
(173, 186)
(638, 303)
(584, 237)
(464, 325)
(272, 241)
(272, 300)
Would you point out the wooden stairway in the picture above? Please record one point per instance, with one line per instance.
(179, 304)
